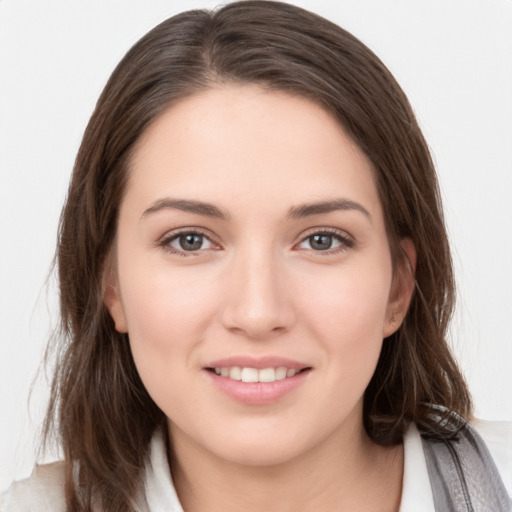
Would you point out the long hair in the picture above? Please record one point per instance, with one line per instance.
(100, 410)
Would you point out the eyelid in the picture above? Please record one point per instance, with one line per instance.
(347, 240)
(164, 241)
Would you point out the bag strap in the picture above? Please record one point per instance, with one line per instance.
(463, 474)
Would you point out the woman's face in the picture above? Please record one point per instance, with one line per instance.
(251, 242)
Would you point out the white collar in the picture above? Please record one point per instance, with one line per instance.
(416, 488)
(160, 492)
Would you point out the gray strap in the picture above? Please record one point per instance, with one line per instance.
(463, 474)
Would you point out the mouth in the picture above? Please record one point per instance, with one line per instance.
(257, 380)
(249, 374)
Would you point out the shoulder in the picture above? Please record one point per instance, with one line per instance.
(43, 491)
(498, 438)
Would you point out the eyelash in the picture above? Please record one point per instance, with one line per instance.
(165, 242)
(346, 242)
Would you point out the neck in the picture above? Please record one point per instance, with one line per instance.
(344, 474)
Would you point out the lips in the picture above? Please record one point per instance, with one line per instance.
(257, 380)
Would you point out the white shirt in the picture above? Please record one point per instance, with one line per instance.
(43, 490)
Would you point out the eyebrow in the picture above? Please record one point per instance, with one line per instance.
(309, 209)
(296, 212)
(186, 205)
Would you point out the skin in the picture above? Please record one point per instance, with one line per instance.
(258, 286)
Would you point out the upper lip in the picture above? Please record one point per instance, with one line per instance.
(259, 363)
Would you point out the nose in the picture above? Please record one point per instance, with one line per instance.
(258, 298)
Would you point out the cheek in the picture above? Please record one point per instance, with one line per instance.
(350, 301)
(348, 318)
(349, 324)
(160, 298)
(168, 314)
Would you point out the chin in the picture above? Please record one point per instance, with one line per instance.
(267, 449)
(260, 456)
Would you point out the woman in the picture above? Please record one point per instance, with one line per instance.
(255, 286)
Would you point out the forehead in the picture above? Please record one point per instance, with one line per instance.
(236, 142)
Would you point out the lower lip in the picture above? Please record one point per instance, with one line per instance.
(257, 393)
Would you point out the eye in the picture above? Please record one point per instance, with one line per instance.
(187, 242)
(325, 241)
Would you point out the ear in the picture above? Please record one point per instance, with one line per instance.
(112, 299)
(402, 288)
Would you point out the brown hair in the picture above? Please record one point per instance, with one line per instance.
(99, 407)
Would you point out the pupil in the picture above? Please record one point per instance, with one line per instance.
(321, 242)
(191, 242)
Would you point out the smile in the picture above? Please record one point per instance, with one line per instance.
(256, 375)
(257, 380)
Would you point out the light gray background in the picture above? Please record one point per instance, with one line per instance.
(452, 57)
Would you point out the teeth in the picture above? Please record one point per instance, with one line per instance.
(235, 373)
(249, 375)
(280, 373)
(267, 375)
(255, 375)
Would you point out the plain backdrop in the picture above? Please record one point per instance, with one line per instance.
(452, 57)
